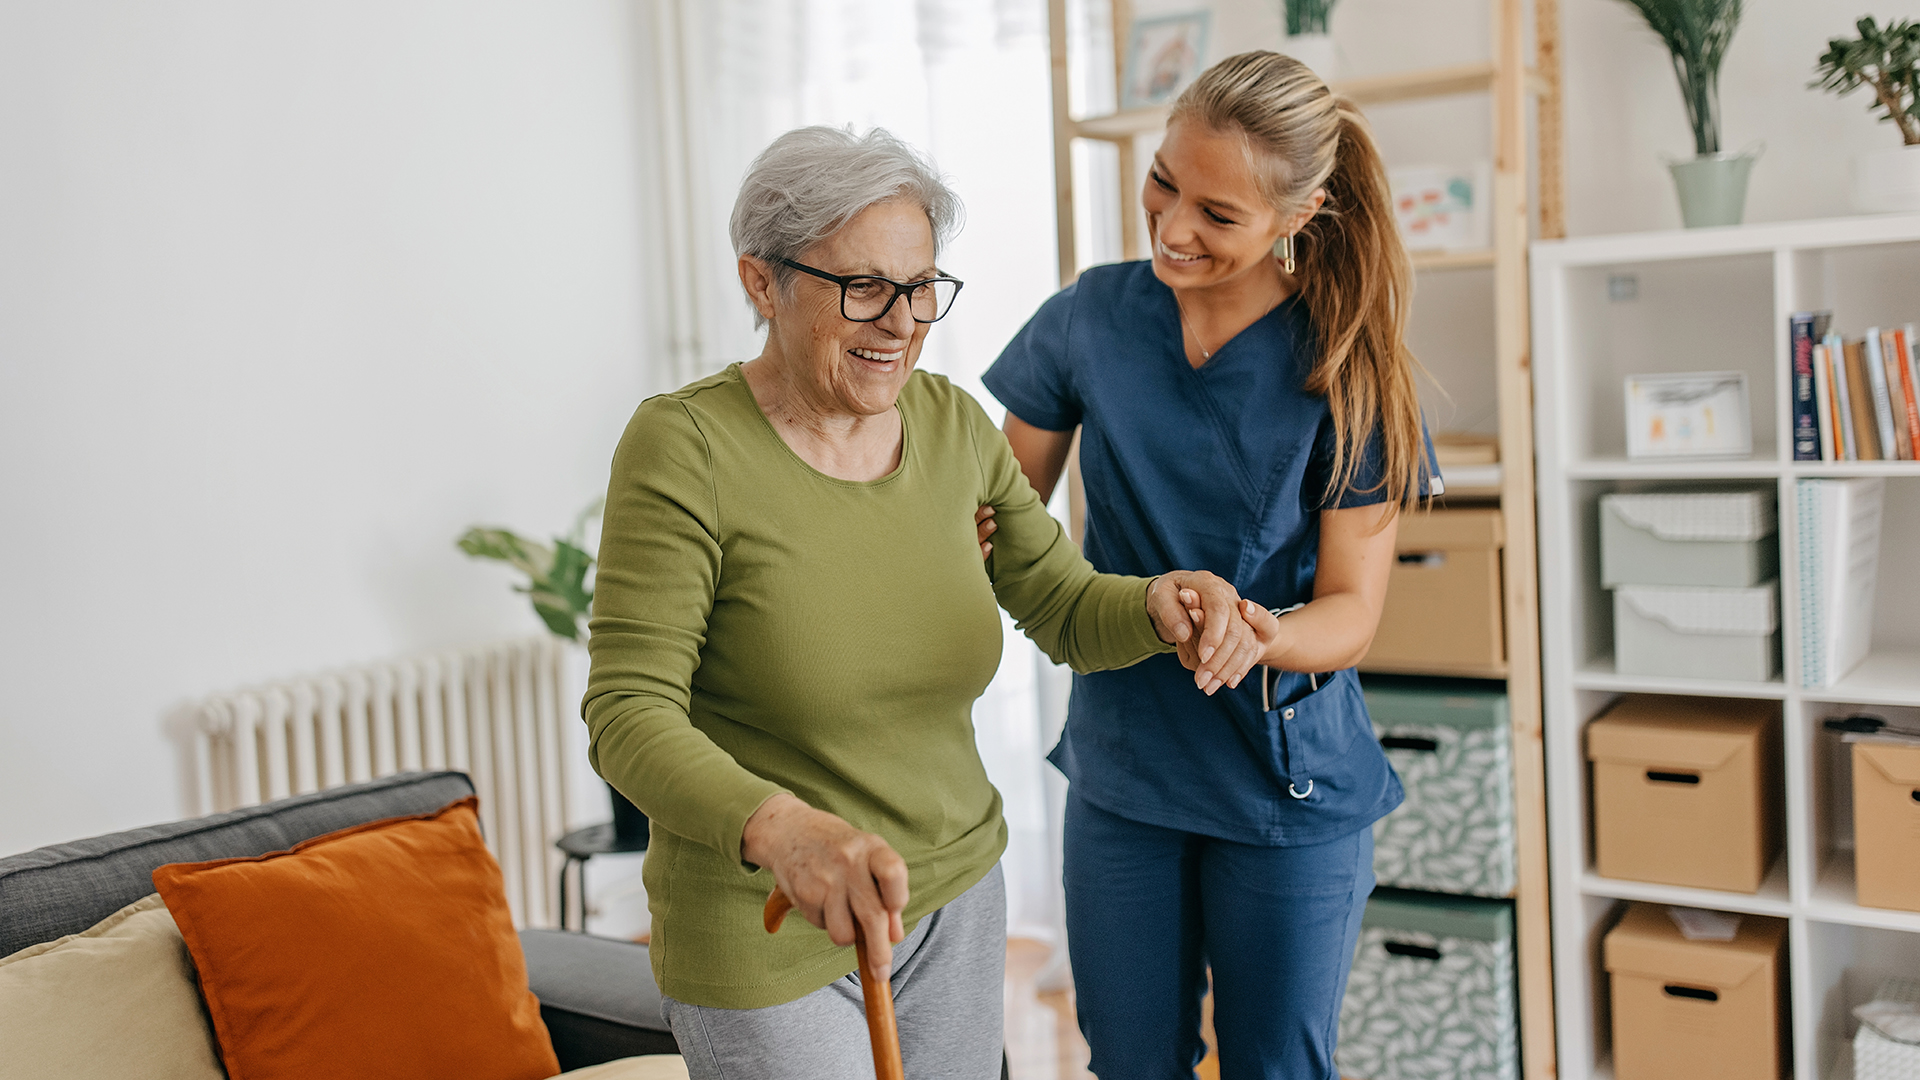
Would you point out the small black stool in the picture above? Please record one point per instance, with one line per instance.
(627, 832)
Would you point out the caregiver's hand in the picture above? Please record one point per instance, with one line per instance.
(840, 879)
(1222, 648)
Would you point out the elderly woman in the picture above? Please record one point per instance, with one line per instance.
(793, 620)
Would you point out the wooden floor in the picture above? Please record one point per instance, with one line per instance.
(1043, 1040)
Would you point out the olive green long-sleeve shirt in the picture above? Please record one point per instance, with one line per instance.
(761, 627)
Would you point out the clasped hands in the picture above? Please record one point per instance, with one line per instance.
(1217, 635)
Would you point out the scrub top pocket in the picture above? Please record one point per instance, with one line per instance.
(1307, 740)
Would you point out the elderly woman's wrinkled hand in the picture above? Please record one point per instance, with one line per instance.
(1221, 648)
(841, 879)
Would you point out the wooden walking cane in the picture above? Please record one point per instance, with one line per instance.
(875, 989)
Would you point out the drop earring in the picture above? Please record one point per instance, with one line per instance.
(1286, 253)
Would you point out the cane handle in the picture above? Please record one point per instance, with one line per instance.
(875, 989)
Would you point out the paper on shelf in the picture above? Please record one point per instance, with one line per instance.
(1699, 924)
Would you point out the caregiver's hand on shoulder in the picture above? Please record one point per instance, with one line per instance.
(839, 878)
(1221, 648)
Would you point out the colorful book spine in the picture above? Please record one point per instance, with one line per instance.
(1866, 444)
(1806, 427)
(1844, 445)
(1823, 401)
(1882, 396)
(1901, 358)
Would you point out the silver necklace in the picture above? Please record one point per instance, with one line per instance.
(1186, 324)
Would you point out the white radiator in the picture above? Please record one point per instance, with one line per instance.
(493, 712)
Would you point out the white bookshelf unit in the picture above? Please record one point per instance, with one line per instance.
(1717, 300)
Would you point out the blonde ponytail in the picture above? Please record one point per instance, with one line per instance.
(1355, 277)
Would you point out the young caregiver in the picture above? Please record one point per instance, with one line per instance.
(1246, 405)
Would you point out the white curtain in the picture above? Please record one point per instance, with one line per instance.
(967, 81)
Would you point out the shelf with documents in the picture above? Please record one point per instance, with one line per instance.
(1712, 300)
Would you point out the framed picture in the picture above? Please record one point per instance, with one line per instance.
(1698, 414)
(1163, 56)
(1443, 208)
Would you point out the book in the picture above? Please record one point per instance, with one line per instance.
(1838, 522)
(1882, 395)
(1866, 443)
(1894, 343)
(1823, 401)
(1913, 354)
(1805, 328)
(1842, 401)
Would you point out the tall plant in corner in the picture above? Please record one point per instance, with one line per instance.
(1713, 186)
(556, 574)
(1887, 60)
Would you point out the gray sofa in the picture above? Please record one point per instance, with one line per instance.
(596, 994)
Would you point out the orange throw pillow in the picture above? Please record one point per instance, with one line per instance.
(384, 950)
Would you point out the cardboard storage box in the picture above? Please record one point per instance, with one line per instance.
(1432, 991)
(1724, 538)
(1697, 633)
(1686, 791)
(1444, 612)
(1886, 824)
(1453, 749)
(1696, 1010)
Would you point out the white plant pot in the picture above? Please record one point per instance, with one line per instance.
(1887, 181)
(1317, 51)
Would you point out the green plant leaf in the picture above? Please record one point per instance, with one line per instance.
(556, 576)
(1884, 59)
(1308, 16)
(1696, 33)
(558, 620)
(531, 558)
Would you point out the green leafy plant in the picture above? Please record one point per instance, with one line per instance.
(1696, 33)
(1884, 58)
(1308, 16)
(556, 575)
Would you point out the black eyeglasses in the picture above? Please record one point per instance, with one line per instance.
(865, 298)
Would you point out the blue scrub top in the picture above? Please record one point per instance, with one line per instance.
(1220, 468)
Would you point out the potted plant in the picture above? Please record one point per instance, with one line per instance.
(556, 575)
(1307, 38)
(557, 586)
(1888, 60)
(1713, 185)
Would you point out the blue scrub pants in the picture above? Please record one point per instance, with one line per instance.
(1149, 909)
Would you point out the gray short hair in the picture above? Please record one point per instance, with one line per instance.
(810, 182)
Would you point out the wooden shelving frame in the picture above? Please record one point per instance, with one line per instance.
(1511, 83)
(1756, 276)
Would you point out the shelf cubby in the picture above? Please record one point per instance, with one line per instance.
(1716, 300)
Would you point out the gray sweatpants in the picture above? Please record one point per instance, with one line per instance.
(948, 981)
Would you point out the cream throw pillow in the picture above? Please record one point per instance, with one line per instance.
(651, 1067)
(117, 1001)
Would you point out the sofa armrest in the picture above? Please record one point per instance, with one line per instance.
(597, 997)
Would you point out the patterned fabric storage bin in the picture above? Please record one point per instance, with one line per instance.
(1451, 744)
(1887, 1046)
(1432, 992)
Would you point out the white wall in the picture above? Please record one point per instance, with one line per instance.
(290, 294)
